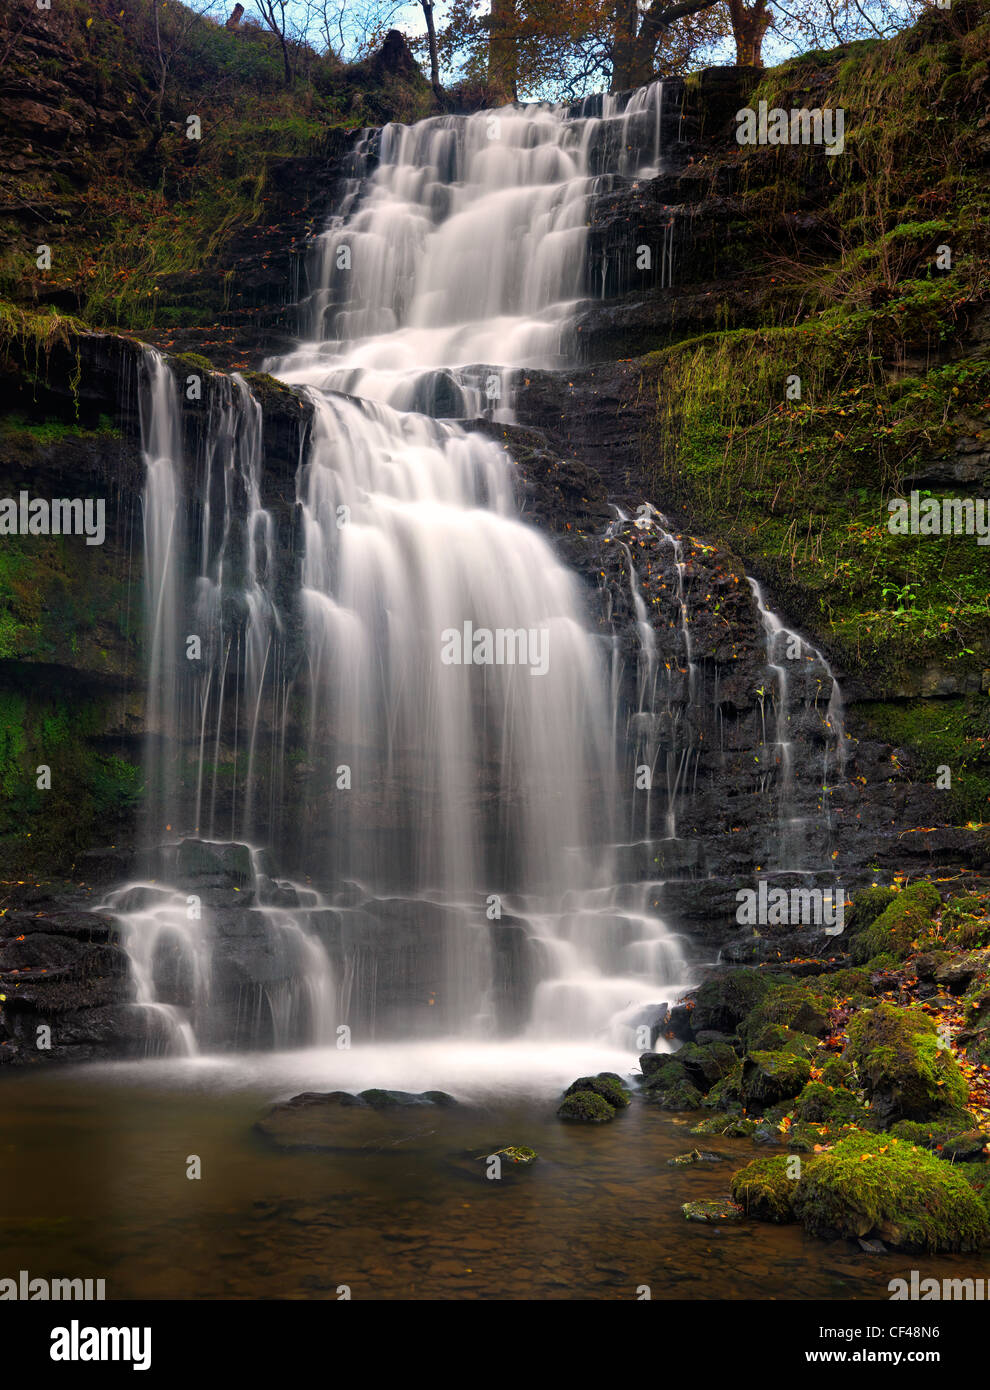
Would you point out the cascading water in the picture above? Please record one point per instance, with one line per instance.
(447, 707)
(803, 688)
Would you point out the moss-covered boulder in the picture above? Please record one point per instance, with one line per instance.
(867, 907)
(706, 1064)
(776, 1038)
(586, 1107)
(836, 1071)
(905, 1073)
(968, 1147)
(830, 1105)
(727, 1094)
(722, 1003)
(788, 1004)
(877, 1185)
(606, 1084)
(670, 1088)
(769, 1077)
(764, 1189)
(904, 921)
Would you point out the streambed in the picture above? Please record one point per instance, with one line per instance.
(93, 1164)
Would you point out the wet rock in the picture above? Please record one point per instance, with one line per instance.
(713, 1213)
(769, 1077)
(332, 1119)
(606, 1084)
(694, 1156)
(585, 1107)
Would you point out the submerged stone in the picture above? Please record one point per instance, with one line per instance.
(714, 1213)
(695, 1156)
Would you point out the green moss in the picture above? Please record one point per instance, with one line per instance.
(867, 907)
(705, 1064)
(605, 1084)
(769, 1077)
(896, 930)
(831, 1105)
(670, 1088)
(585, 1106)
(730, 1126)
(899, 1063)
(720, 1004)
(764, 1189)
(836, 1071)
(727, 1094)
(949, 732)
(877, 1185)
(791, 1005)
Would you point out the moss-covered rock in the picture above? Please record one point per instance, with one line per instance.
(877, 1185)
(585, 1106)
(764, 1189)
(694, 1156)
(787, 1004)
(867, 907)
(721, 1004)
(902, 922)
(732, 1126)
(712, 1213)
(836, 1071)
(824, 1104)
(727, 1094)
(769, 1077)
(606, 1084)
(776, 1038)
(905, 1073)
(706, 1064)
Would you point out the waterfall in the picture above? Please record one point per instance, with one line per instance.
(426, 671)
(390, 684)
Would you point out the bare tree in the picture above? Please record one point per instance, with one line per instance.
(349, 30)
(275, 16)
(168, 42)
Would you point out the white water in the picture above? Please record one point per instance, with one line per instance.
(456, 261)
(791, 660)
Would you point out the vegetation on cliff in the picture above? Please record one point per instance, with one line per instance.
(882, 316)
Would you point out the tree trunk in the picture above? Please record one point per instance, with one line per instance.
(634, 54)
(431, 35)
(502, 50)
(748, 28)
(623, 42)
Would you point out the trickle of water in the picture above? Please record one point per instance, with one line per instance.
(802, 680)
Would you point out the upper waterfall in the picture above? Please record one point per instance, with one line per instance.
(460, 242)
